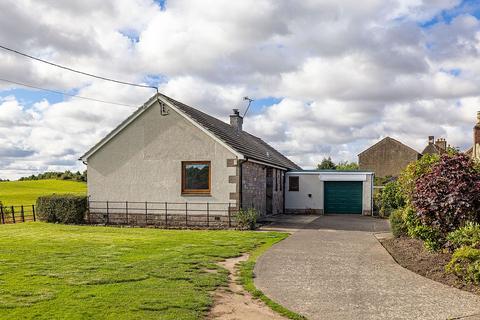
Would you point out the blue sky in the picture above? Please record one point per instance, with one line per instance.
(471, 7)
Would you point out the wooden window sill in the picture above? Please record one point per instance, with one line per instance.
(196, 194)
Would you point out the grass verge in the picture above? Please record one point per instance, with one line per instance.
(53, 271)
(246, 277)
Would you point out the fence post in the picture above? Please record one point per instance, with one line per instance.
(208, 212)
(108, 217)
(126, 210)
(166, 214)
(186, 214)
(33, 212)
(22, 213)
(13, 214)
(229, 219)
(3, 215)
(146, 213)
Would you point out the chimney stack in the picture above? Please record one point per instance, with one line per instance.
(476, 138)
(236, 120)
(431, 139)
(441, 143)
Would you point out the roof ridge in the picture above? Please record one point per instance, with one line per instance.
(388, 138)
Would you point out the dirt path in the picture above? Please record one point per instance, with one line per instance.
(236, 303)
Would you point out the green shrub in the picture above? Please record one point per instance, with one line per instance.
(411, 221)
(62, 208)
(246, 219)
(377, 201)
(415, 229)
(465, 264)
(397, 224)
(430, 237)
(412, 172)
(392, 198)
(466, 236)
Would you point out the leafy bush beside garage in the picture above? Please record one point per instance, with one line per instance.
(449, 195)
(441, 208)
(391, 198)
(397, 224)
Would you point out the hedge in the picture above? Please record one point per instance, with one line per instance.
(62, 208)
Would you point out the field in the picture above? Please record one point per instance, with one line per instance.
(50, 271)
(26, 192)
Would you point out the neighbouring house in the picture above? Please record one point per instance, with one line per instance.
(435, 147)
(170, 152)
(387, 158)
(324, 192)
(474, 150)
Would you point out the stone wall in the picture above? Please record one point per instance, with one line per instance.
(254, 195)
(387, 158)
(254, 180)
(278, 198)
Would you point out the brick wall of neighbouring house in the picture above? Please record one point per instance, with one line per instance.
(387, 158)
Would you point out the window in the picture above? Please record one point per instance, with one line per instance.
(293, 184)
(196, 177)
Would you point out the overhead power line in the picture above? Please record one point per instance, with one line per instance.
(66, 94)
(78, 71)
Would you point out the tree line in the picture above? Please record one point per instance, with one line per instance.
(328, 164)
(58, 175)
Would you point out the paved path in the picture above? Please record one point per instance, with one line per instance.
(335, 268)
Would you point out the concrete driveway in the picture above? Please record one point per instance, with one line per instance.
(333, 267)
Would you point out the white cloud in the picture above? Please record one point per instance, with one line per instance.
(348, 73)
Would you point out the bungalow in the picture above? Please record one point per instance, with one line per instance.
(168, 151)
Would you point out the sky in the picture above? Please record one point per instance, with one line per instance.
(329, 77)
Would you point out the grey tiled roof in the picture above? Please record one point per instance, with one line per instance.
(431, 148)
(241, 141)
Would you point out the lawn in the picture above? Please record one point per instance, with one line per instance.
(50, 271)
(14, 193)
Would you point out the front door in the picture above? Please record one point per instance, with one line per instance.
(269, 191)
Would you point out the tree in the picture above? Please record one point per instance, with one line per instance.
(67, 175)
(448, 195)
(326, 164)
(347, 166)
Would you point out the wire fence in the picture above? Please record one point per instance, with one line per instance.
(162, 214)
(17, 214)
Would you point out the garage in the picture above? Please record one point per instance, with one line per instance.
(343, 197)
(329, 192)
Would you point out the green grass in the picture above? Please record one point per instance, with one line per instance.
(247, 280)
(14, 193)
(52, 271)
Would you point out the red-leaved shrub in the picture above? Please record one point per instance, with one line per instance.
(449, 195)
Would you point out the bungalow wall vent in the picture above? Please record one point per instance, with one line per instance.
(163, 109)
